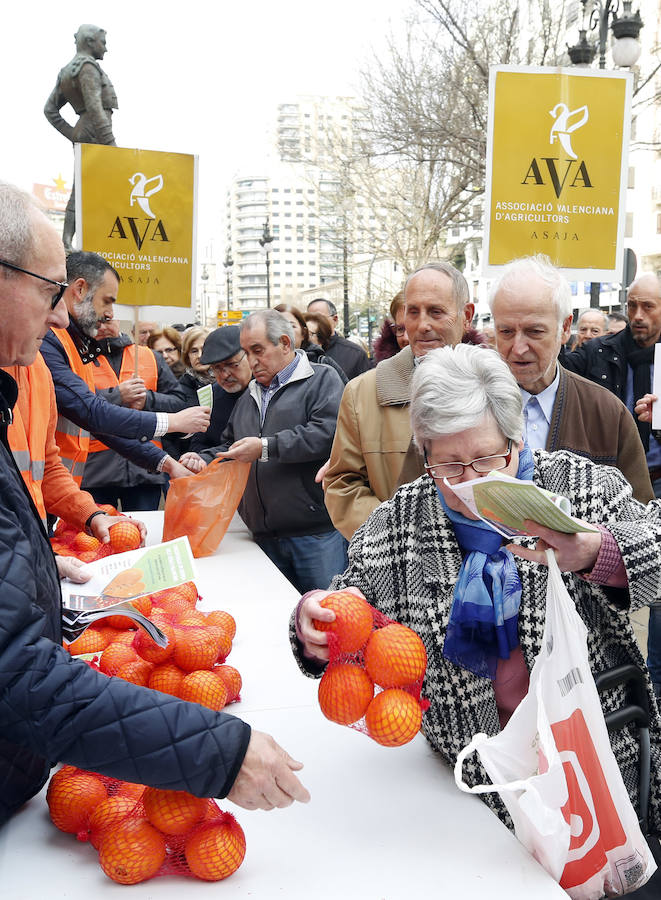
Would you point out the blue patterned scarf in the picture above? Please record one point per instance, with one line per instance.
(484, 618)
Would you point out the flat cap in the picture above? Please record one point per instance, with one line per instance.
(221, 344)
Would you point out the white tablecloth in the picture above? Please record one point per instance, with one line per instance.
(382, 823)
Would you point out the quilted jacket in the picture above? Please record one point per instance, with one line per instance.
(406, 560)
(55, 708)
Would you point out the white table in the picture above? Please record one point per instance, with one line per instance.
(382, 823)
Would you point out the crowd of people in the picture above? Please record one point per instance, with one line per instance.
(350, 461)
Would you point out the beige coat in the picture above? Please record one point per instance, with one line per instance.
(372, 437)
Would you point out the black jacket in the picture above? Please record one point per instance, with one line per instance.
(351, 358)
(56, 708)
(107, 467)
(603, 361)
(281, 498)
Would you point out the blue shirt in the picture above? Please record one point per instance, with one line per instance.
(281, 378)
(537, 417)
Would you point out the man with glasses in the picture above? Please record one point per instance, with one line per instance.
(31, 434)
(56, 708)
(229, 365)
(71, 355)
(531, 307)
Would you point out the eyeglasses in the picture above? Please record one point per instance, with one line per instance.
(169, 350)
(219, 368)
(61, 285)
(398, 329)
(482, 464)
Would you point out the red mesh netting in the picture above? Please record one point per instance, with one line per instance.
(375, 672)
(141, 832)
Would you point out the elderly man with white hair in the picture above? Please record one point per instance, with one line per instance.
(413, 556)
(532, 315)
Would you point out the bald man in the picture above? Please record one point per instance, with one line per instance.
(591, 324)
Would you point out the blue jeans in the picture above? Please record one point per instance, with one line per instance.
(309, 561)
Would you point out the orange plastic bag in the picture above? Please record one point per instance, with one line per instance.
(201, 507)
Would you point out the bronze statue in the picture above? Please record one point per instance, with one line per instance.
(85, 86)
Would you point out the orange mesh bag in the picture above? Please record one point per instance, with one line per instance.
(201, 507)
(375, 671)
(142, 832)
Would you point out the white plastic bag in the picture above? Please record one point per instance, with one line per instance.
(555, 770)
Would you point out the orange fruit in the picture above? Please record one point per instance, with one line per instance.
(125, 637)
(142, 604)
(395, 656)
(64, 772)
(173, 812)
(174, 606)
(72, 799)
(232, 679)
(353, 620)
(136, 672)
(84, 541)
(124, 536)
(132, 851)
(345, 692)
(166, 678)
(204, 688)
(193, 617)
(129, 789)
(216, 850)
(108, 813)
(393, 718)
(92, 640)
(195, 648)
(186, 592)
(224, 620)
(115, 656)
(148, 648)
(223, 641)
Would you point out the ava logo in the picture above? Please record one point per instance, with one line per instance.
(564, 126)
(140, 194)
(558, 172)
(135, 227)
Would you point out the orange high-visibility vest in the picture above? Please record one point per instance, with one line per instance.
(105, 377)
(27, 440)
(73, 441)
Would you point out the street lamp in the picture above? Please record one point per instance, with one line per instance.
(228, 262)
(626, 52)
(265, 242)
(625, 28)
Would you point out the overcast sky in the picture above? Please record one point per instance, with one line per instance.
(190, 77)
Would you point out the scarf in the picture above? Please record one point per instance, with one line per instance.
(484, 618)
(640, 359)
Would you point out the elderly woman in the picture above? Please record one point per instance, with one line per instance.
(412, 557)
(196, 375)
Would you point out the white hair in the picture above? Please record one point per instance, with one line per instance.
(275, 324)
(541, 266)
(457, 388)
(18, 211)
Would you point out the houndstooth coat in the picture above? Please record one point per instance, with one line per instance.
(406, 560)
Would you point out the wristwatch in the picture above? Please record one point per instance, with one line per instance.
(265, 450)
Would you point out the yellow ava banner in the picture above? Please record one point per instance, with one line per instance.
(557, 168)
(137, 209)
